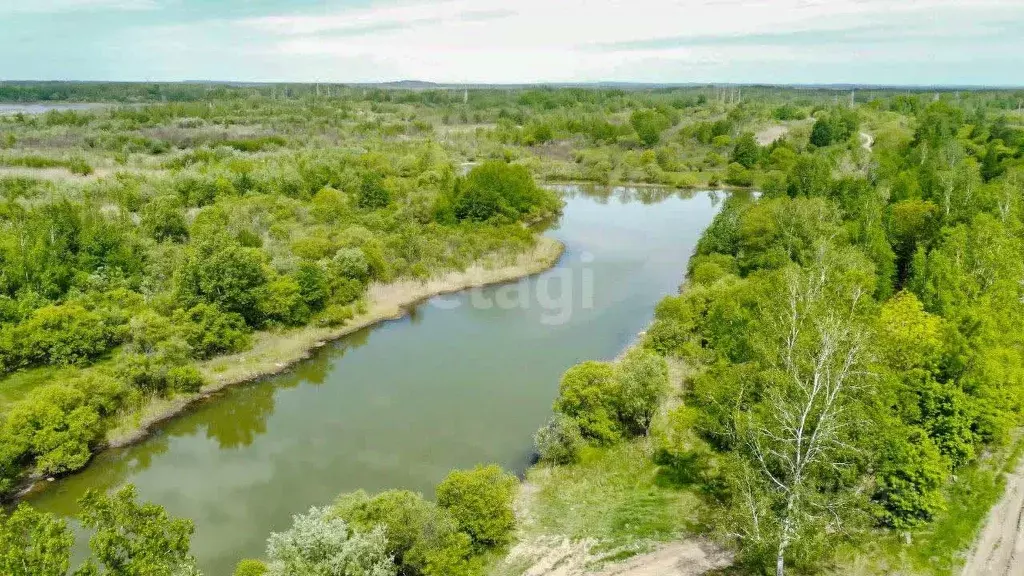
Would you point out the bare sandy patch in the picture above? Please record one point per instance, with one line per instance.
(771, 134)
(1000, 546)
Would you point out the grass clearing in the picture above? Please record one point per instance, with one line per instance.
(614, 496)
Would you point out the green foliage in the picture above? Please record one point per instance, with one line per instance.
(372, 193)
(746, 152)
(834, 127)
(34, 544)
(133, 539)
(910, 480)
(422, 538)
(649, 124)
(642, 378)
(319, 543)
(56, 426)
(589, 394)
(499, 191)
(209, 331)
(250, 567)
(559, 441)
(480, 501)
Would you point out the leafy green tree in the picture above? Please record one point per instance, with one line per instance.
(588, 394)
(209, 331)
(910, 479)
(133, 539)
(314, 285)
(648, 125)
(746, 152)
(423, 538)
(281, 301)
(373, 195)
(63, 334)
(226, 275)
(559, 441)
(163, 219)
(56, 425)
(480, 500)
(34, 544)
(642, 378)
(250, 567)
(498, 190)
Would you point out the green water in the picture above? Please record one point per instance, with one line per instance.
(464, 379)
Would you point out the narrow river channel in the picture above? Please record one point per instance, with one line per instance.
(464, 379)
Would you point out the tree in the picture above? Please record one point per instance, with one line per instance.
(649, 125)
(559, 441)
(372, 193)
(224, 274)
(321, 544)
(746, 152)
(34, 544)
(480, 500)
(423, 538)
(132, 539)
(642, 378)
(798, 439)
(588, 394)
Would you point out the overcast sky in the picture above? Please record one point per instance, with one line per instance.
(776, 41)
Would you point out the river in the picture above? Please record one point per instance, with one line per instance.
(463, 379)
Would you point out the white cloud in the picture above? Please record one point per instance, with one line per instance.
(58, 6)
(544, 40)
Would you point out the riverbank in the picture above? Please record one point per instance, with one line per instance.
(614, 512)
(275, 352)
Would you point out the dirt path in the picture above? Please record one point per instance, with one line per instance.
(771, 134)
(866, 141)
(999, 549)
(561, 557)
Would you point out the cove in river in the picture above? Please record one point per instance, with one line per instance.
(453, 384)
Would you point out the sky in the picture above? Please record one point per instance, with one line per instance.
(893, 42)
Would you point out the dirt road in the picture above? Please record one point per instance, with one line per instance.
(999, 549)
(554, 556)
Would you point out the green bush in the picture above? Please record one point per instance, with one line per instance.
(185, 379)
(480, 500)
(559, 441)
(250, 567)
(210, 332)
(588, 394)
(61, 334)
(642, 377)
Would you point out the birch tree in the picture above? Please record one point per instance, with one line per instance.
(799, 439)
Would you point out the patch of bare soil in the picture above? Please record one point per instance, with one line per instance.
(552, 556)
(771, 134)
(999, 549)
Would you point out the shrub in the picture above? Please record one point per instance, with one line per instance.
(250, 567)
(372, 193)
(185, 379)
(62, 334)
(559, 441)
(588, 394)
(480, 500)
(281, 301)
(643, 384)
(56, 426)
(910, 479)
(321, 543)
(211, 331)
